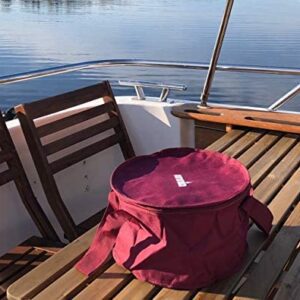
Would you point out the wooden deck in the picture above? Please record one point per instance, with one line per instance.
(271, 269)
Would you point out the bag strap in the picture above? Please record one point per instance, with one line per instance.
(105, 238)
(259, 213)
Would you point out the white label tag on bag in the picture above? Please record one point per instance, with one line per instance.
(180, 181)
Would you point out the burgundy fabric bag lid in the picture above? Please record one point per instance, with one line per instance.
(180, 177)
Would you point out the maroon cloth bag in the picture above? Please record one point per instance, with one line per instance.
(178, 218)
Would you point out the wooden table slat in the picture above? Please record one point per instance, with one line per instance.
(226, 140)
(274, 180)
(264, 274)
(271, 158)
(107, 284)
(290, 285)
(259, 148)
(243, 143)
(39, 278)
(40, 258)
(282, 203)
(209, 295)
(169, 294)
(13, 255)
(18, 265)
(70, 284)
(137, 290)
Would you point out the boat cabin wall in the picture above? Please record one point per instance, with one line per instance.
(85, 185)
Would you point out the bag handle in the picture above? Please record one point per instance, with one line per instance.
(104, 240)
(105, 236)
(259, 213)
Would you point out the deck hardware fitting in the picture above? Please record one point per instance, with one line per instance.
(139, 85)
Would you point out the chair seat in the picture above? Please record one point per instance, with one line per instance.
(23, 258)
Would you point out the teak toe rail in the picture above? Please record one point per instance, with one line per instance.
(272, 264)
(285, 122)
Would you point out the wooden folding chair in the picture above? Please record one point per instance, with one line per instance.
(29, 112)
(35, 249)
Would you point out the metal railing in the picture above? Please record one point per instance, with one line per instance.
(215, 55)
(285, 98)
(9, 79)
(214, 61)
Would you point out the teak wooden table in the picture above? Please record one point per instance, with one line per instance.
(272, 265)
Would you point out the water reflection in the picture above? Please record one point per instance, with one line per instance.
(39, 34)
(60, 5)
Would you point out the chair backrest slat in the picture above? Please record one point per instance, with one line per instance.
(80, 155)
(5, 156)
(105, 126)
(61, 102)
(78, 136)
(74, 119)
(6, 176)
(14, 171)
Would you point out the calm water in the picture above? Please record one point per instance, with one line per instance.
(39, 34)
